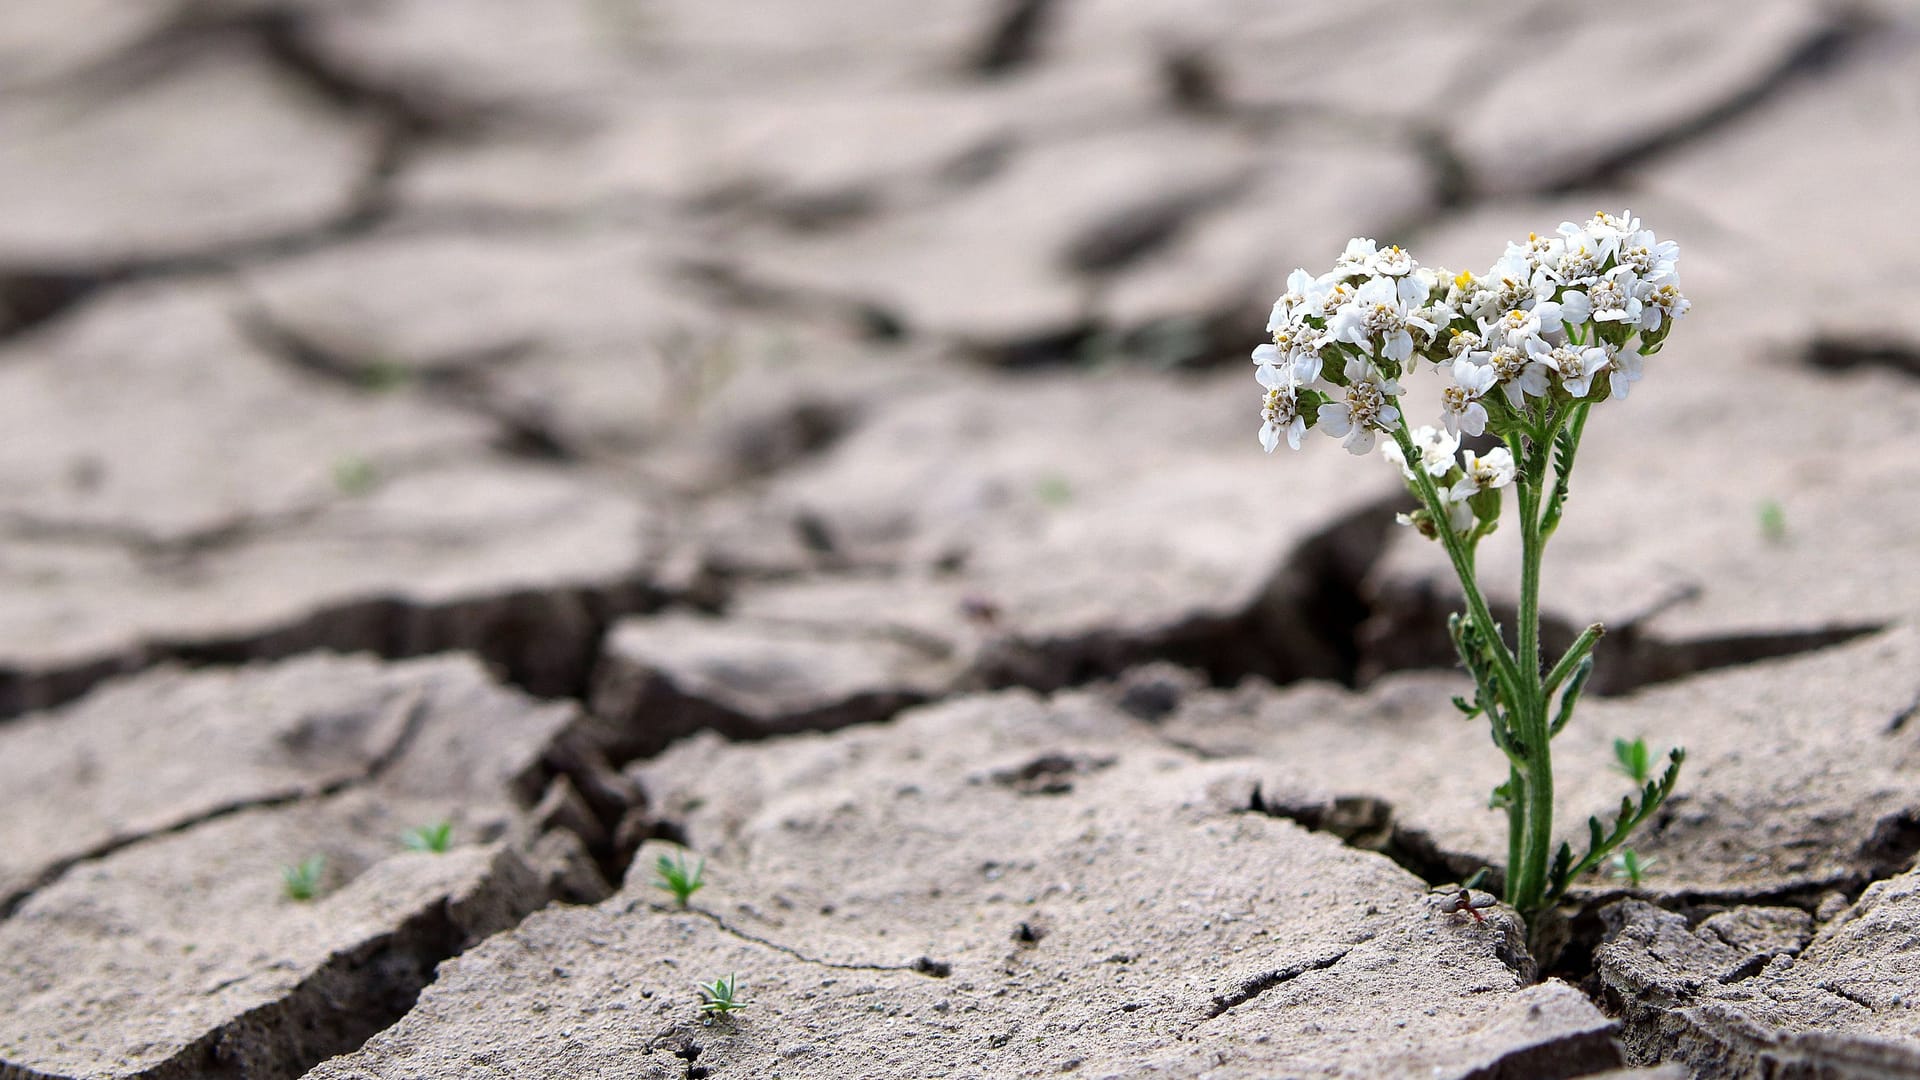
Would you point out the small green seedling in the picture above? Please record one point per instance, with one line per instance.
(720, 998)
(1773, 521)
(1633, 759)
(1629, 866)
(1053, 490)
(355, 475)
(436, 837)
(674, 875)
(302, 880)
(384, 376)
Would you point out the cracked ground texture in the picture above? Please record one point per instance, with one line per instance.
(819, 435)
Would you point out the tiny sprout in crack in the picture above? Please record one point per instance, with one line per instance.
(672, 873)
(355, 475)
(1773, 521)
(1633, 759)
(1524, 352)
(1628, 866)
(436, 838)
(720, 998)
(301, 881)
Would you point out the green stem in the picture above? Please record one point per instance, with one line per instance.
(1575, 653)
(1516, 823)
(1526, 869)
(1461, 557)
(1530, 543)
(1551, 520)
(1528, 891)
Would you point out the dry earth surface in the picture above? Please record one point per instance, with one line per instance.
(820, 436)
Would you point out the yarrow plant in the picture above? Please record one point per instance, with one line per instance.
(1523, 353)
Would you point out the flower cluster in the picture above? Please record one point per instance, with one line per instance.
(1525, 351)
(1558, 321)
(1470, 487)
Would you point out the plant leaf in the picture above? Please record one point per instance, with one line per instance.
(1604, 841)
(1571, 695)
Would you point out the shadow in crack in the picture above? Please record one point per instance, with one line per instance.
(1368, 823)
(544, 641)
(1822, 50)
(1013, 38)
(1303, 624)
(1406, 631)
(1837, 353)
(30, 296)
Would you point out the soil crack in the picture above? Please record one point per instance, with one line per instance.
(1822, 49)
(1267, 980)
(352, 995)
(1403, 633)
(413, 710)
(1302, 623)
(1014, 38)
(461, 380)
(925, 965)
(1900, 719)
(1829, 353)
(401, 118)
(544, 641)
(147, 546)
(1368, 823)
(1842, 992)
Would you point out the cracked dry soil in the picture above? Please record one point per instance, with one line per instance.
(514, 416)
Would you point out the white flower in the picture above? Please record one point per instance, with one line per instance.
(1300, 299)
(1364, 408)
(1393, 262)
(1553, 315)
(1378, 318)
(1436, 315)
(1580, 261)
(1467, 345)
(1460, 517)
(1436, 448)
(1517, 291)
(1661, 302)
(1623, 370)
(1584, 253)
(1332, 294)
(1511, 285)
(1613, 297)
(1538, 252)
(1516, 376)
(1297, 345)
(1515, 328)
(1462, 288)
(1574, 366)
(1608, 229)
(1280, 413)
(1460, 402)
(1495, 470)
(1649, 258)
(1569, 311)
(1356, 260)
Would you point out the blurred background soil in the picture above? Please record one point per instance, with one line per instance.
(764, 367)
